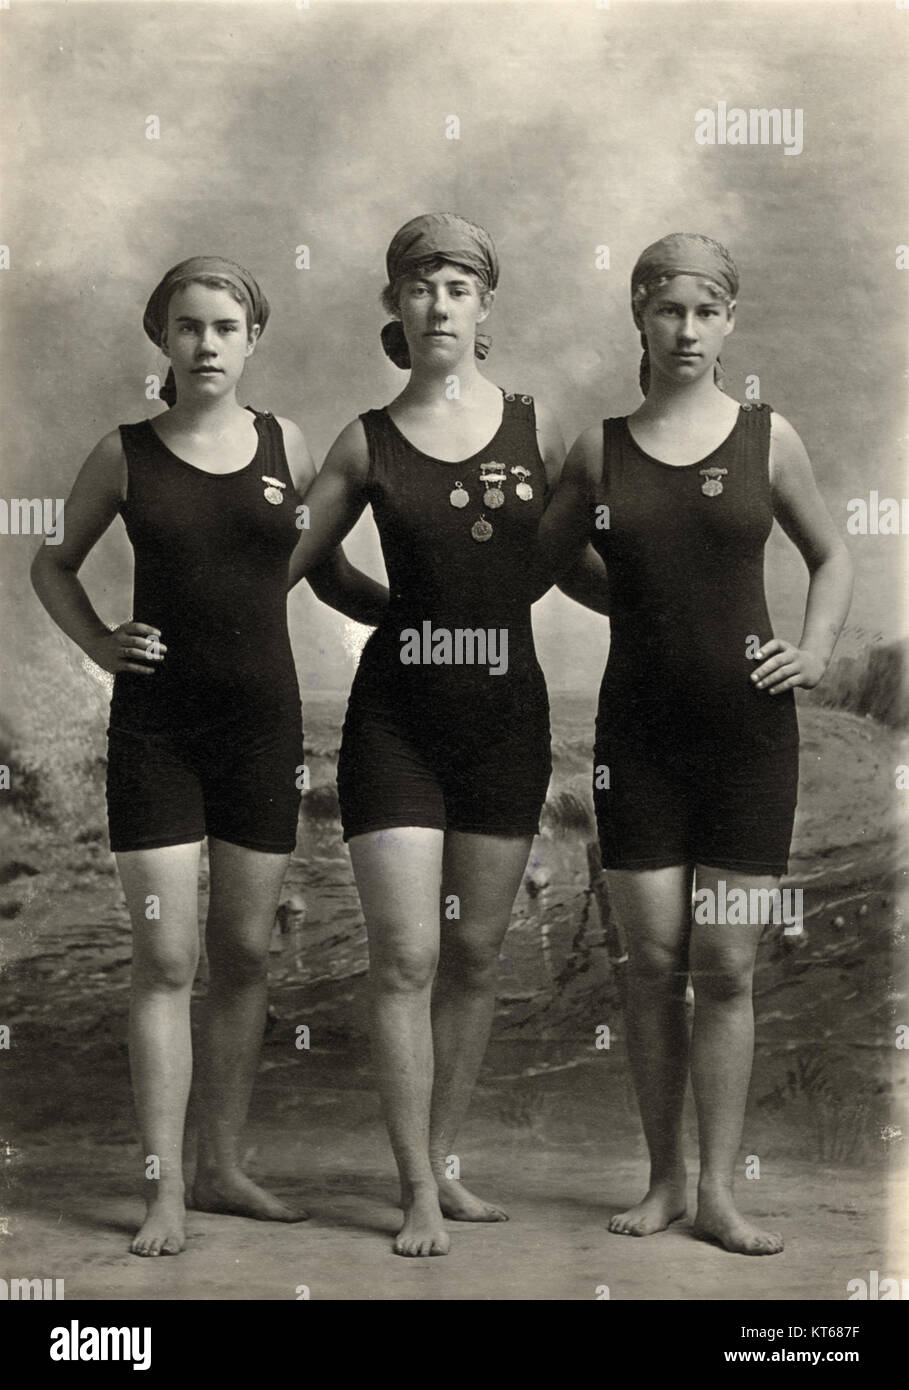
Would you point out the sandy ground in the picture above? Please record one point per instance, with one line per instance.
(76, 1224)
(553, 1131)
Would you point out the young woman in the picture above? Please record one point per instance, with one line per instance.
(205, 730)
(445, 756)
(697, 740)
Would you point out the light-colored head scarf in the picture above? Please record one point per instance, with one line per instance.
(682, 253)
(438, 236)
(155, 318)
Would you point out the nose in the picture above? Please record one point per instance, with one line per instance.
(207, 346)
(688, 329)
(440, 307)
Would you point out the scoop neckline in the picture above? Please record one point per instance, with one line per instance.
(451, 463)
(681, 467)
(234, 473)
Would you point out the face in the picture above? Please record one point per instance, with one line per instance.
(685, 328)
(440, 312)
(207, 341)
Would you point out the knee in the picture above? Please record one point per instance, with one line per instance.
(404, 969)
(469, 962)
(655, 966)
(166, 967)
(722, 982)
(236, 958)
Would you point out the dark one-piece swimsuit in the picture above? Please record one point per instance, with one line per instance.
(456, 735)
(693, 764)
(212, 742)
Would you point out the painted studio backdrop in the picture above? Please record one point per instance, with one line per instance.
(295, 139)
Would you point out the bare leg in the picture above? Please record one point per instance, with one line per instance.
(245, 888)
(655, 908)
(398, 874)
(484, 872)
(722, 1047)
(161, 887)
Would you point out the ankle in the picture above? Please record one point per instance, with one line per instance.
(715, 1185)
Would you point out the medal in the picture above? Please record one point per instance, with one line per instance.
(481, 530)
(523, 489)
(272, 493)
(712, 485)
(493, 496)
(459, 497)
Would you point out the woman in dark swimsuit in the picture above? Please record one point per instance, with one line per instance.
(205, 733)
(445, 758)
(697, 742)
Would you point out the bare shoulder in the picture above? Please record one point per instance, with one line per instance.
(350, 452)
(788, 455)
(784, 437)
(585, 457)
(105, 468)
(291, 431)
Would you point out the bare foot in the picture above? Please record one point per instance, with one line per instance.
(423, 1232)
(459, 1204)
(664, 1203)
(718, 1220)
(163, 1232)
(234, 1194)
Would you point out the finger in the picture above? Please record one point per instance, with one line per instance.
(140, 645)
(774, 644)
(141, 629)
(762, 672)
(139, 669)
(789, 684)
(773, 681)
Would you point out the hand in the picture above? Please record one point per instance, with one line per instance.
(132, 647)
(788, 666)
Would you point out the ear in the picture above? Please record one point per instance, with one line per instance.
(730, 319)
(487, 298)
(252, 339)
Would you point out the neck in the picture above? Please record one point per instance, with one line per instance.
(428, 384)
(680, 398)
(204, 414)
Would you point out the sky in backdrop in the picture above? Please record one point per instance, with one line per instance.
(326, 126)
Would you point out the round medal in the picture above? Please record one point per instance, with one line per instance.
(481, 530)
(459, 497)
(493, 497)
(272, 495)
(524, 491)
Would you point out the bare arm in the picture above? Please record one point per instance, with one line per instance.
(335, 581)
(89, 511)
(587, 582)
(566, 523)
(800, 510)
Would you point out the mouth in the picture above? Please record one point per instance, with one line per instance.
(438, 333)
(687, 356)
(207, 371)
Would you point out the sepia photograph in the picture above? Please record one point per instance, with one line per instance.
(454, 720)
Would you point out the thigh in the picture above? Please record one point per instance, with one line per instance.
(494, 757)
(731, 911)
(484, 873)
(248, 772)
(154, 795)
(398, 873)
(742, 809)
(641, 804)
(386, 778)
(654, 906)
(244, 893)
(161, 888)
